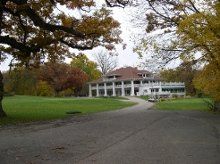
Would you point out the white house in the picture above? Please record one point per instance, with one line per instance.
(129, 81)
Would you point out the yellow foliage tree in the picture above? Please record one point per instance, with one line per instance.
(191, 27)
(201, 32)
(82, 62)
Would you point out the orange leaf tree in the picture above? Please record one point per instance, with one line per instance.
(61, 76)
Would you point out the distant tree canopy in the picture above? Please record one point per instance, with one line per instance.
(21, 81)
(82, 62)
(51, 79)
(184, 73)
(61, 76)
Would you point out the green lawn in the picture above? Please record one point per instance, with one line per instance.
(183, 104)
(115, 97)
(31, 108)
(144, 97)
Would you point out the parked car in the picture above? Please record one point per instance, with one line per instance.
(152, 100)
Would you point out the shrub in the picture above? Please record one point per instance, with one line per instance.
(212, 105)
(43, 89)
(175, 96)
(65, 93)
(9, 94)
(163, 99)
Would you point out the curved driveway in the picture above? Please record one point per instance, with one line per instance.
(134, 135)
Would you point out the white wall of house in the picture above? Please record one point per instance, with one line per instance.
(136, 88)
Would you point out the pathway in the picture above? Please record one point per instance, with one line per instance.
(134, 135)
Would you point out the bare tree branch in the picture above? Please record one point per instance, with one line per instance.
(106, 62)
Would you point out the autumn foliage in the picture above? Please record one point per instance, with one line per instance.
(190, 31)
(49, 80)
(61, 76)
(31, 31)
(183, 73)
(89, 67)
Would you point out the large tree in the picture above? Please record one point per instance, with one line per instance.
(188, 30)
(33, 30)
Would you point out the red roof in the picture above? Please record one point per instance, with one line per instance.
(124, 73)
(127, 72)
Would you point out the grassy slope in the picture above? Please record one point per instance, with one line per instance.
(183, 104)
(30, 108)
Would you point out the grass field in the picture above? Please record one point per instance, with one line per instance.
(144, 97)
(183, 104)
(31, 108)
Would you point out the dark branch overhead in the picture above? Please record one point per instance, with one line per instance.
(75, 46)
(117, 3)
(38, 21)
(29, 27)
(18, 45)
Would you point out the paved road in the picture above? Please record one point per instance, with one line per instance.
(130, 136)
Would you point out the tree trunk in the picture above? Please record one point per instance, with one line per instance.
(2, 113)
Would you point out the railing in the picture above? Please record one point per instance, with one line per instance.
(161, 84)
(172, 84)
(127, 85)
(165, 93)
(118, 86)
(101, 87)
(137, 85)
(93, 88)
(109, 87)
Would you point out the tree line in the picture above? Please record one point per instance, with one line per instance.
(52, 78)
(57, 78)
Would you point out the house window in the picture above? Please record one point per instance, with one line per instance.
(154, 90)
(117, 83)
(108, 84)
(137, 82)
(127, 82)
(145, 82)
